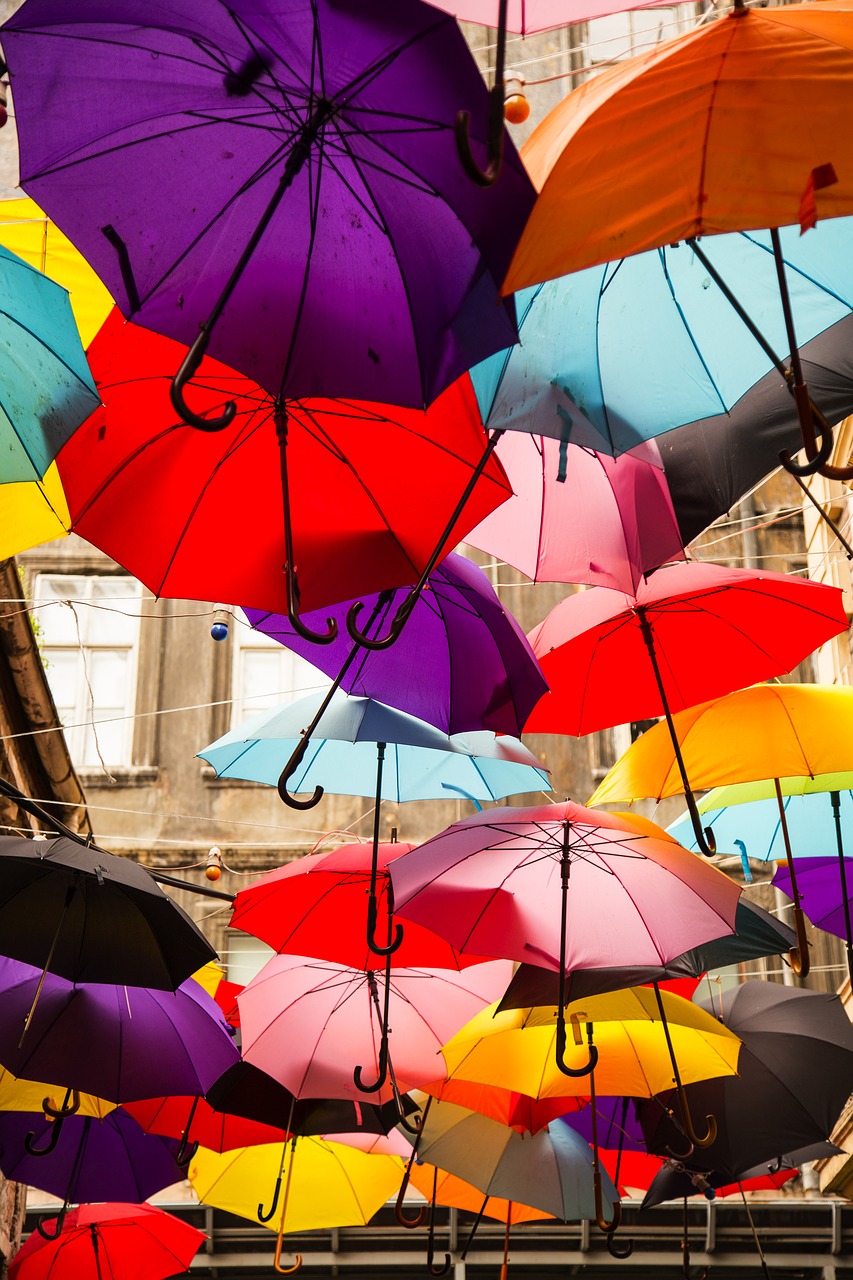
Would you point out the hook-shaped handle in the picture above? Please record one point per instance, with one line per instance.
(377, 947)
(706, 1139)
(29, 1141)
(313, 637)
(494, 141)
(560, 1047)
(383, 1071)
(820, 461)
(265, 1215)
(799, 957)
(615, 1251)
(70, 1106)
(411, 1126)
(284, 1271)
(601, 1222)
(421, 1215)
(41, 1225)
(444, 1267)
(369, 642)
(287, 773)
(185, 1152)
(185, 374)
(680, 1155)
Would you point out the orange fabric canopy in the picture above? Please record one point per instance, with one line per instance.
(717, 130)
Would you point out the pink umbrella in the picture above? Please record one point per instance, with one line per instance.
(529, 16)
(316, 1026)
(607, 522)
(565, 888)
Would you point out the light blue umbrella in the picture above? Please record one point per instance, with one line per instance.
(622, 353)
(46, 389)
(369, 749)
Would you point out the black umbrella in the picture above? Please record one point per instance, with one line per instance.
(90, 916)
(794, 1076)
(678, 1179)
(757, 934)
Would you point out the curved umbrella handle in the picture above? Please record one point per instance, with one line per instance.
(29, 1140)
(284, 1271)
(411, 1126)
(187, 371)
(706, 1139)
(575, 1072)
(59, 1115)
(313, 637)
(265, 1215)
(368, 642)
(600, 1221)
(616, 1252)
(70, 1106)
(287, 773)
(820, 462)
(681, 1155)
(41, 1225)
(445, 1266)
(381, 1077)
(494, 139)
(799, 957)
(421, 1215)
(375, 946)
(185, 1152)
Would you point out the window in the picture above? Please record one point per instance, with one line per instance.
(89, 640)
(265, 673)
(244, 956)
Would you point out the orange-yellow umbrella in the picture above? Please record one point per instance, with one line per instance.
(730, 127)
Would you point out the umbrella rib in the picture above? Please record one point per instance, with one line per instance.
(688, 331)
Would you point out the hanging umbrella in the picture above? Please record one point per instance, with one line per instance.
(121, 1043)
(246, 1091)
(793, 1080)
(47, 389)
(463, 663)
(782, 731)
(595, 520)
(317, 905)
(323, 1029)
(529, 16)
(195, 1123)
(821, 894)
(93, 1160)
(721, 97)
(675, 1180)
(354, 525)
(757, 934)
(459, 1194)
(32, 1095)
(327, 1184)
(90, 916)
(815, 813)
(518, 1111)
(666, 644)
(349, 111)
(103, 1240)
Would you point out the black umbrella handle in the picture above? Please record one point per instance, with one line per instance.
(185, 374)
(443, 1267)
(495, 137)
(41, 1225)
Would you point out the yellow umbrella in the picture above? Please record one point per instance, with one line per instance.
(29, 1095)
(36, 512)
(775, 732)
(327, 1184)
(209, 977)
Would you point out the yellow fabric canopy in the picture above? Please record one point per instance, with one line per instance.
(28, 1095)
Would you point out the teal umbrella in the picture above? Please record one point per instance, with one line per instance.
(46, 389)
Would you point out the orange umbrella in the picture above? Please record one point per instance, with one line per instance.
(749, 105)
(517, 1111)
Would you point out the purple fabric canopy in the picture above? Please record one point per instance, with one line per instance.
(819, 883)
(108, 1159)
(119, 1043)
(462, 662)
(156, 137)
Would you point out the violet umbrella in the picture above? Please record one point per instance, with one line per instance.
(309, 222)
(94, 1160)
(826, 899)
(464, 663)
(578, 515)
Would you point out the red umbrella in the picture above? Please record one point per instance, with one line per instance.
(99, 1241)
(317, 906)
(200, 515)
(692, 632)
(195, 1122)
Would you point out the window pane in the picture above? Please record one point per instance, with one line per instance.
(63, 668)
(108, 676)
(116, 621)
(245, 957)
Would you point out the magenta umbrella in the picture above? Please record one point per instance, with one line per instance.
(529, 16)
(565, 888)
(588, 518)
(317, 1027)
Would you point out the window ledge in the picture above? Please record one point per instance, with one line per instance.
(123, 775)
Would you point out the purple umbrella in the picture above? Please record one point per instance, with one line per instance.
(109, 1159)
(821, 893)
(119, 1043)
(618, 1126)
(462, 664)
(307, 147)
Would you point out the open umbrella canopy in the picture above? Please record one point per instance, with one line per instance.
(674, 1181)
(711, 628)
(309, 1023)
(793, 1079)
(826, 902)
(551, 1171)
(99, 918)
(459, 1194)
(492, 884)
(757, 934)
(317, 906)
(103, 1240)
(357, 526)
(597, 520)
(748, 104)
(46, 389)
(748, 814)
(529, 16)
(517, 1111)
(92, 1160)
(462, 663)
(121, 1043)
(781, 730)
(193, 1119)
(420, 762)
(332, 1185)
(257, 116)
(31, 1095)
(516, 1049)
